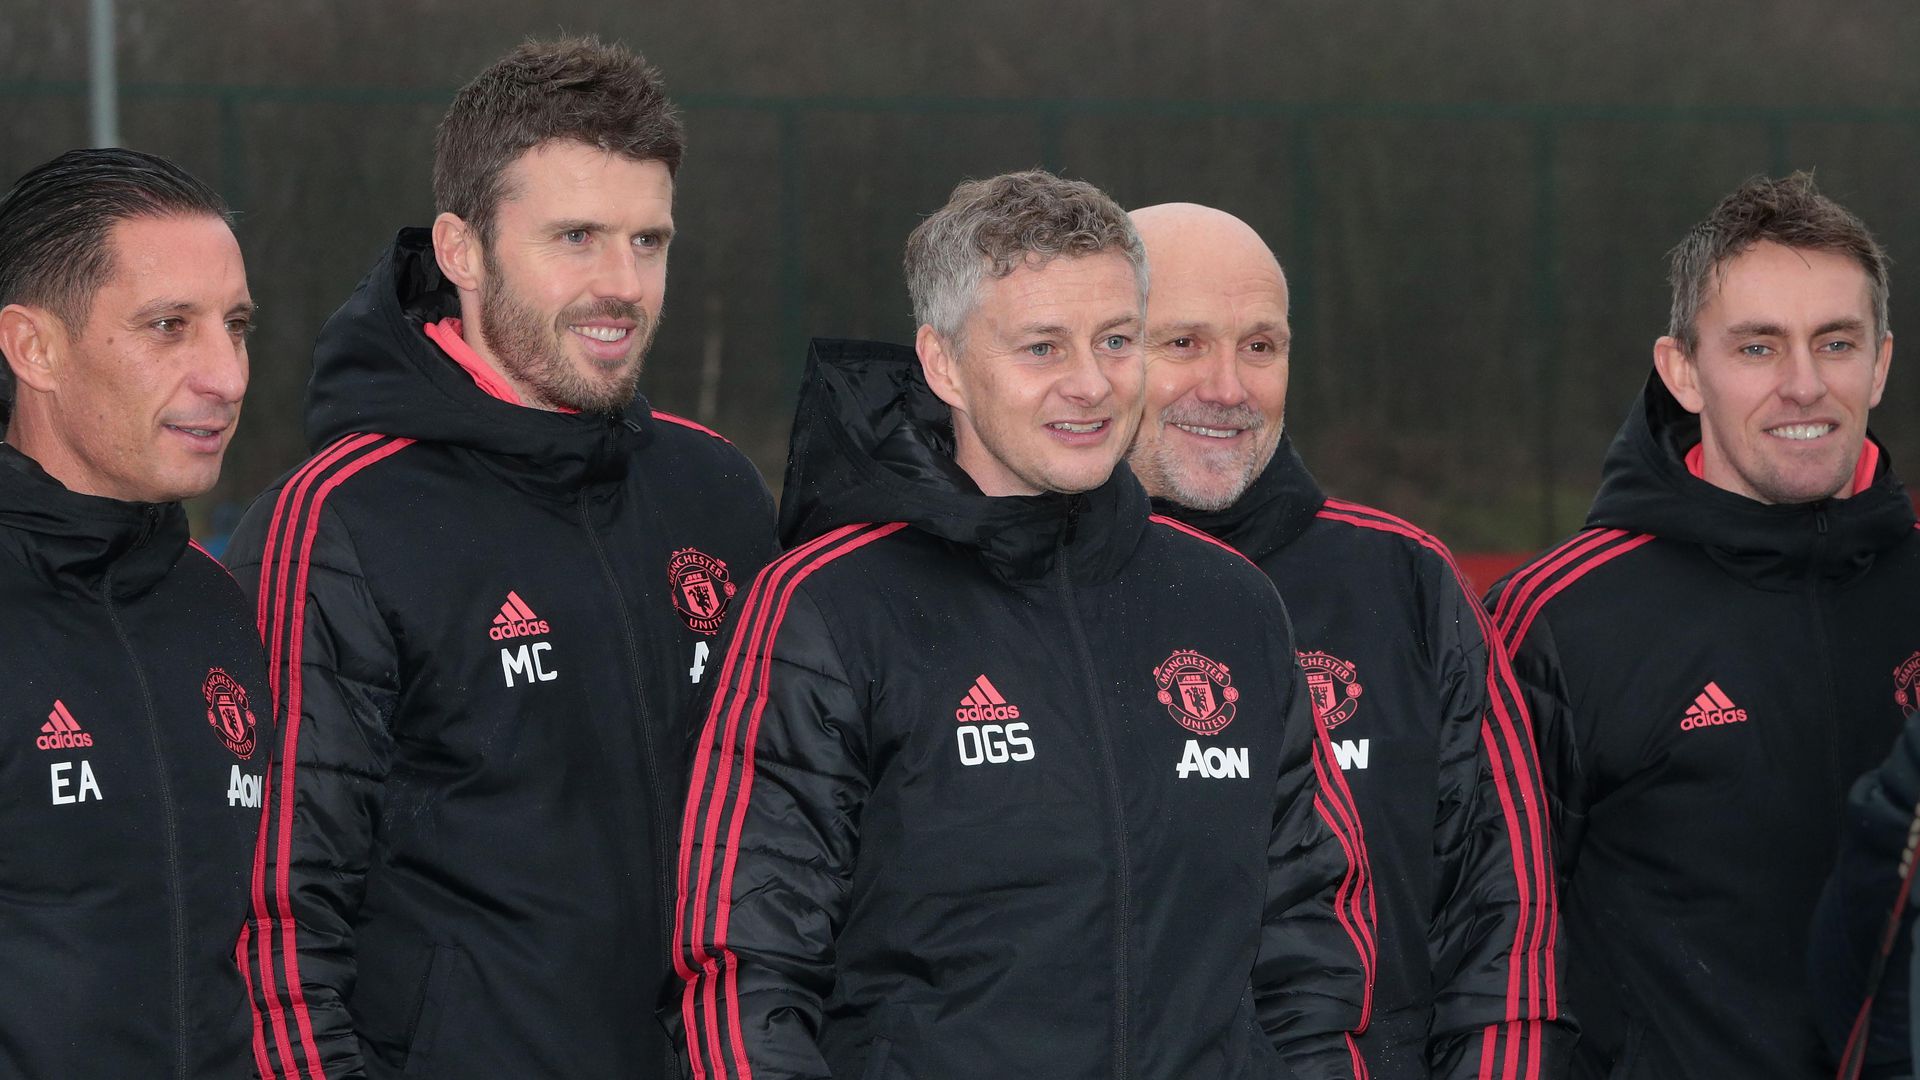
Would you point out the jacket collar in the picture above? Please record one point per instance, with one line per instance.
(1274, 510)
(872, 443)
(1647, 487)
(84, 543)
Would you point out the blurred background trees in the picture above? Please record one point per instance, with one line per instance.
(1472, 199)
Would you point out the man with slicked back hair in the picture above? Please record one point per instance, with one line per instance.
(133, 685)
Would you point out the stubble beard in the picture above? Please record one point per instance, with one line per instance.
(533, 351)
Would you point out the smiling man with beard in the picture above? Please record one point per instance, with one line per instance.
(488, 599)
(1426, 720)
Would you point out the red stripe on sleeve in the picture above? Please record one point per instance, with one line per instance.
(1507, 733)
(290, 610)
(753, 673)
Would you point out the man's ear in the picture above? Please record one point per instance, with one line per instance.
(33, 340)
(941, 366)
(1677, 370)
(456, 247)
(1881, 363)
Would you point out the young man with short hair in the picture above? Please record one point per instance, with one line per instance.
(1716, 656)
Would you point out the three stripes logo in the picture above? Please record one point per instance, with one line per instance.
(984, 703)
(516, 619)
(1712, 708)
(61, 731)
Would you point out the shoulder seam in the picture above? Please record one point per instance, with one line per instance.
(686, 423)
(1182, 527)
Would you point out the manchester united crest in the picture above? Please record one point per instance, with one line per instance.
(700, 589)
(1197, 692)
(227, 711)
(1334, 686)
(1906, 685)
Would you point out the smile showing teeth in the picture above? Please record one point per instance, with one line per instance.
(1078, 429)
(1799, 432)
(1208, 432)
(601, 333)
(200, 432)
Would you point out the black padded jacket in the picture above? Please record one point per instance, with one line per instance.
(1022, 786)
(1431, 731)
(1708, 674)
(485, 625)
(137, 732)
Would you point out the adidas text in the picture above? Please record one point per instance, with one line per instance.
(1712, 718)
(521, 628)
(63, 740)
(1214, 763)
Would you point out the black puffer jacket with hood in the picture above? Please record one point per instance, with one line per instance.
(136, 736)
(1707, 674)
(484, 627)
(1022, 786)
(1430, 729)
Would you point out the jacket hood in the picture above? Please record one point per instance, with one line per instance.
(1646, 487)
(871, 443)
(1274, 510)
(75, 541)
(375, 370)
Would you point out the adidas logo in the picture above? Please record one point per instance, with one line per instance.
(1712, 708)
(516, 619)
(983, 702)
(61, 731)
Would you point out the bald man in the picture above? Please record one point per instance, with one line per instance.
(1424, 719)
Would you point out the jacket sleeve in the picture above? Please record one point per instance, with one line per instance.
(331, 669)
(1313, 974)
(1862, 931)
(1494, 940)
(767, 845)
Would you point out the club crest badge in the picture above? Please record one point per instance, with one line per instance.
(700, 589)
(1197, 692)
(227, 711)
(1334, 686)
(1906, 685)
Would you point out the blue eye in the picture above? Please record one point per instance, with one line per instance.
(1040, 348)
(574, 236)
(1116, 342)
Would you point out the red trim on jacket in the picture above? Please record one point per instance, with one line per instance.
(686, 423)
(1182, 526)
(448, 334)
(1864, 467)
(1507, 733)
(298, 510)
(754, 668)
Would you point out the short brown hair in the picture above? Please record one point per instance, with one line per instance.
(1790, 212)
(576, 89)
(990, 228)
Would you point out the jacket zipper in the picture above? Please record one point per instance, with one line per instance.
(654, 790)
(1123, 870)
(1826, 652)
(176, 904)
